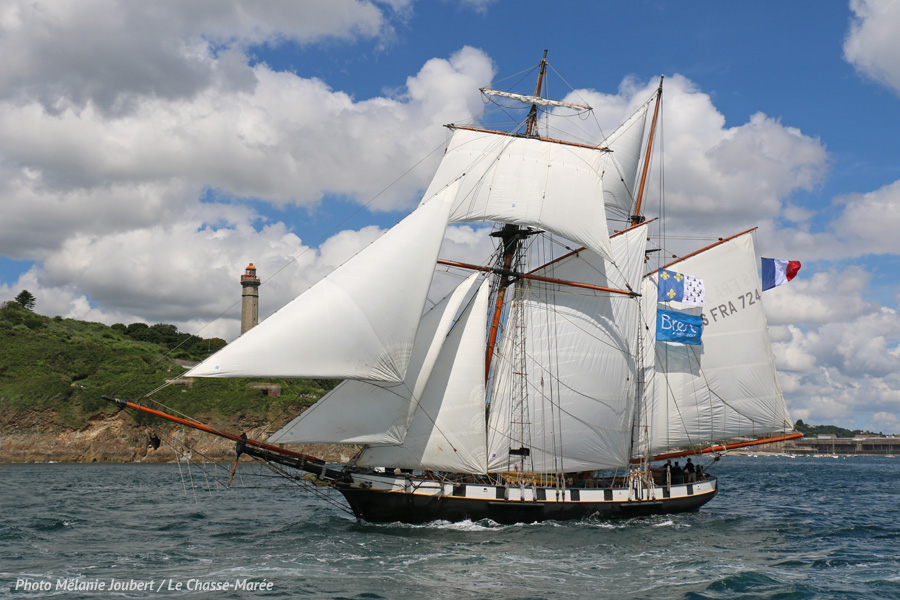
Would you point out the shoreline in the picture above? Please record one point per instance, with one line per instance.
(34, 437)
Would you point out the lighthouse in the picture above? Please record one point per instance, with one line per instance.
(250, 299)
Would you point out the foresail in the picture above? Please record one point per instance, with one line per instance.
(574, 409)
(362, 412)
(527, 181)
(447, 432)
(620, 166)
(358, 322)
(727, 386)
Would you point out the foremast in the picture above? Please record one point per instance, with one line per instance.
(511, 237)
(507, 270)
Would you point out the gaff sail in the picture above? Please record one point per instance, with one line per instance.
(727, 386)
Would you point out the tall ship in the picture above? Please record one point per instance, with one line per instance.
(552, 378)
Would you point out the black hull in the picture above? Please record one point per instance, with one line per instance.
(379, 506)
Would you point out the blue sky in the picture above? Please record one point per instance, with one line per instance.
(147, 155)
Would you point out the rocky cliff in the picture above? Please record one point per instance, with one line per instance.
(35, 436)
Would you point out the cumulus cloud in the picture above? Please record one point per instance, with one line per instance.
(112, 54)
(719, 179)
(872, 44)
(837, 353)
(289, 139)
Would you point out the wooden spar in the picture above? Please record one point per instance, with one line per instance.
(567, 255)
(704, 249)
(636, 217)
(532, 114)
(537, 278)
(208, 429)
(510, 235)
(543, 139)
(722, 448)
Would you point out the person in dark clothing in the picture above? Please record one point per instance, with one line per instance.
(689, 472)
(677, 474)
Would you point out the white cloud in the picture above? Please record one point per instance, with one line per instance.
(872, 44)
(819, 298)
(111, 54)
(870, 221)
(839, 359)
(289, 139)
(719, 179)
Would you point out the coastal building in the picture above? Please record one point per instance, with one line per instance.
(827, 445)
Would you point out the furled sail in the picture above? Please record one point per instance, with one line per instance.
(537, 100)
(358, 322)
(727, 386)
(526, 181)
(447, 432)
(574, 409)
(620, 166)
(362, 412)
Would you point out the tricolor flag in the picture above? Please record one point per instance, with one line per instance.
(776, 271)
(678, 287)
(679, 327)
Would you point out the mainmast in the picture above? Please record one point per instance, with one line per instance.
(637, 218)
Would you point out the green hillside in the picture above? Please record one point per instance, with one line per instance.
(816, 430)
(63, 367)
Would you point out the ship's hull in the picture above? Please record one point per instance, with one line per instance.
(382, 500)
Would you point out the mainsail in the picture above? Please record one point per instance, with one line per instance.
(570, 403)
(358, 322)
(727, 386)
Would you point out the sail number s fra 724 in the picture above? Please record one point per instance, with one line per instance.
(728, 309)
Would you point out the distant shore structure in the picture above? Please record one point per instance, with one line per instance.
(250, 299)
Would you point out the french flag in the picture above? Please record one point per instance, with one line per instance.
(776, 271)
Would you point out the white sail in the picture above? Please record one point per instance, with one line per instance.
(362, 412)
(620, 166)
(526, 181)
(727, 386)
(574, 409)
(447, 432)
(359, 321)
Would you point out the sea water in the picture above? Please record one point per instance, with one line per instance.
(812, 528)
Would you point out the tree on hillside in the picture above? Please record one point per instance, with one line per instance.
(26, 299)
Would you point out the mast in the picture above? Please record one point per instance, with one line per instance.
(511, 237)
(532, 115)
(636, 217)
